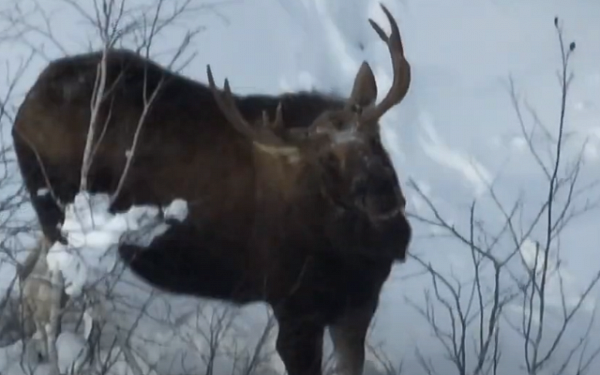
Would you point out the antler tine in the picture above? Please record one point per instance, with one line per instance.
(297, 137)
(227, 105)
(401, 68)
(277, 124)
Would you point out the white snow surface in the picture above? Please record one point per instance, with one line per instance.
(454, 133)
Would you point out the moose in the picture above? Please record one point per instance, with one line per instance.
(292, 199)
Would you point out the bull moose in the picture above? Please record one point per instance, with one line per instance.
(293, 201)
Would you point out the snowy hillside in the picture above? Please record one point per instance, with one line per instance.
(456, 133)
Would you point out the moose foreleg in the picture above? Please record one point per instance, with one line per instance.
(348, 335)
(300, 345)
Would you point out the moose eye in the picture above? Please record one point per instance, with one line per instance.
(356, 109)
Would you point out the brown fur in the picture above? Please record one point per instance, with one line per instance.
(300, 232)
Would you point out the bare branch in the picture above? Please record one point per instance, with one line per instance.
(521, 259)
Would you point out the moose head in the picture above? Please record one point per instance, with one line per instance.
(343, 144)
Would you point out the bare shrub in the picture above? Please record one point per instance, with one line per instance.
(516, 266)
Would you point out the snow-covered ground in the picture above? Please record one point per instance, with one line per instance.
(455, 132)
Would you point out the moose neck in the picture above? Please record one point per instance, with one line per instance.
(277, 176)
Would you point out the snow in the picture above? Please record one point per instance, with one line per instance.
(455, 133)
(91, 232)
(72, 349)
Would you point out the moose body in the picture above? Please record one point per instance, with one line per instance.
(292, 198)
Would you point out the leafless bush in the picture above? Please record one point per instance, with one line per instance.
(13, 227)
(516, 267)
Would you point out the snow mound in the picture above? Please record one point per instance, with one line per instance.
(93, 234)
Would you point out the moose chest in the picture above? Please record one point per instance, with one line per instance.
(326, 283)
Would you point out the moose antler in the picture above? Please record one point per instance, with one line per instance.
(364, 94)
(402, 74)
(265, 134)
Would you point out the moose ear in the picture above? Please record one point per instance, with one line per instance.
(364, 90)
